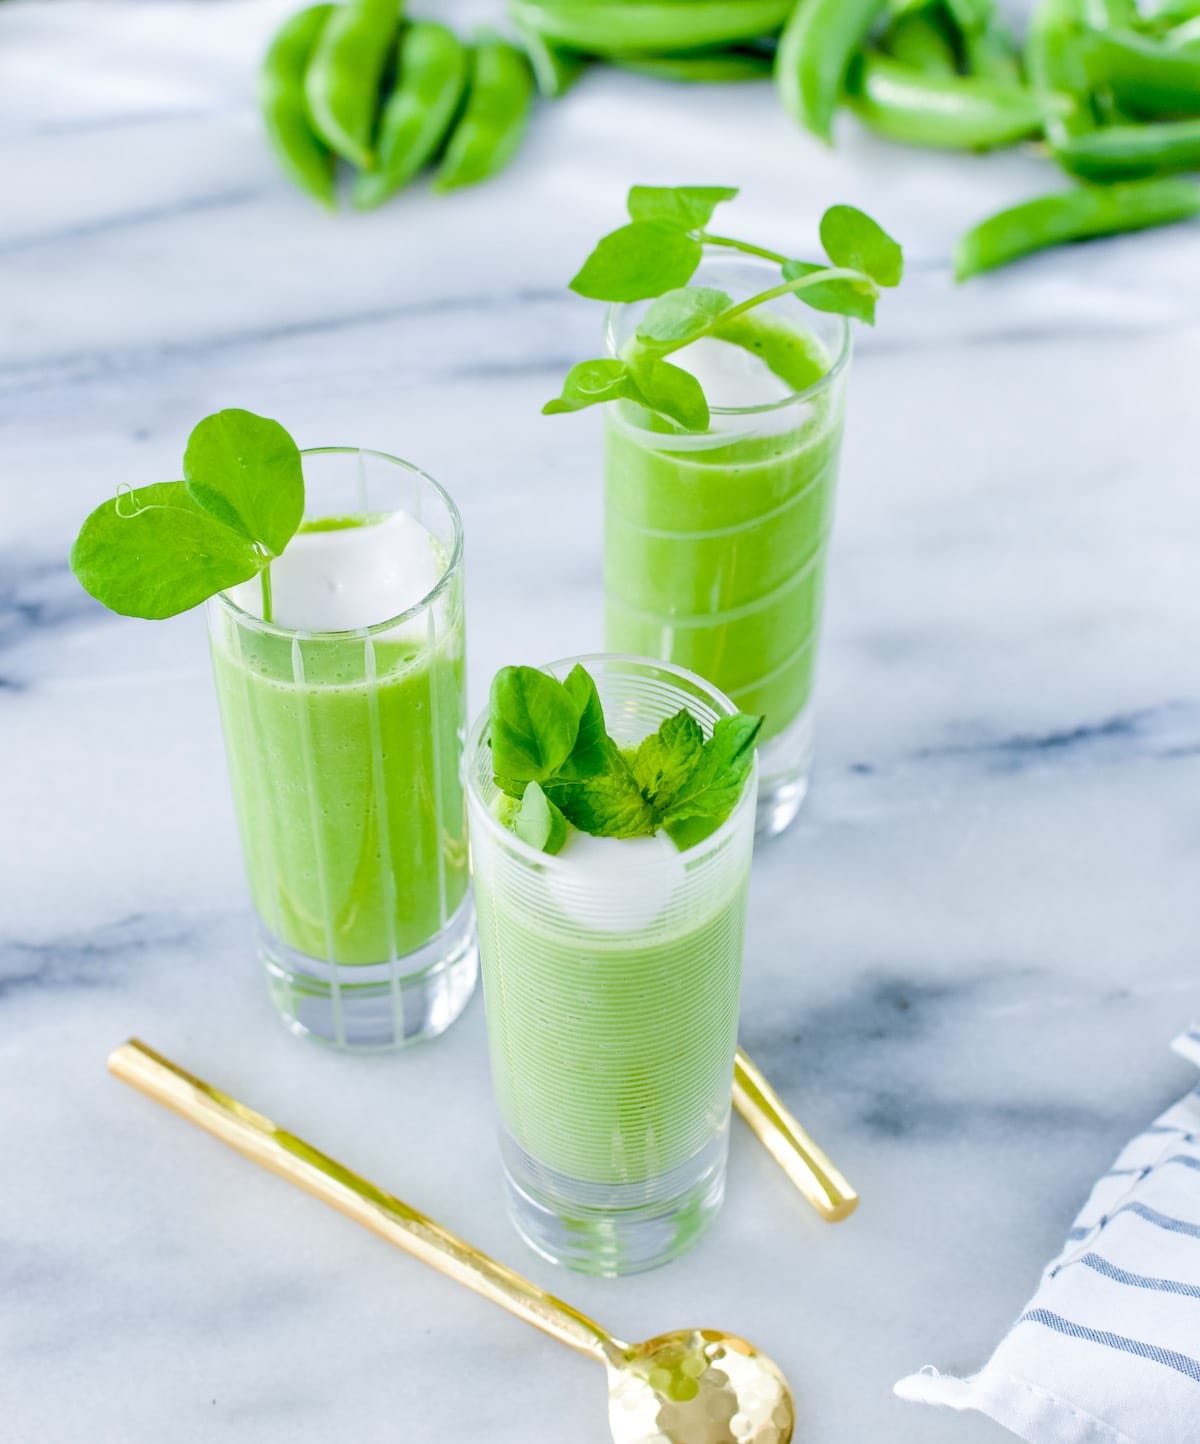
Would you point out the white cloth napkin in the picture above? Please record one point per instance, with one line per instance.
(1108, 1349)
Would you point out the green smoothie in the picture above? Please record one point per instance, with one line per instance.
(715, 545)
(612, 1052)
(344, 754)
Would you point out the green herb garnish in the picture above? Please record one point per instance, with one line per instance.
(658, 252)
(153, 551)
(551, 751)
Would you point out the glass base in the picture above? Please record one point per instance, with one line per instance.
(614, 1229)
(784, 766)
(377, 1006)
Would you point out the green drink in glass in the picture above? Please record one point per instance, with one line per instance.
(612, 973)
(343, 718)
(716, 543)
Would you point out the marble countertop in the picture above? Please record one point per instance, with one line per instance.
(964, 963)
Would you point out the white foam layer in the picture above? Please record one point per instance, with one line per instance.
(336, 581)
(617, 884)
(731, 375)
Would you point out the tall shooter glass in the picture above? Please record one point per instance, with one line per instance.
(612, 976)
(716, 544)
(345, 752)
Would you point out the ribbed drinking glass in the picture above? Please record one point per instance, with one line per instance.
(716, 543)
(612, 978)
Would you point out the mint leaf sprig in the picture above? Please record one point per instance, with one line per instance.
(154, 551)
(552, 754)
(655, 255)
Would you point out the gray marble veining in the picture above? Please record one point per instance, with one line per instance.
(965, 961)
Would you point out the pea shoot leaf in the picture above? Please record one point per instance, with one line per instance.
(681, 315)
(687, 207)
(842, 297)
(588, 383)
(672, 391)
(246, 471)
(851, 238)
(161, 549)
(646, 379)
(153, 552)
(637, 261)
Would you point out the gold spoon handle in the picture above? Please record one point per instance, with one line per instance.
(293, 1159)
(788, 1144)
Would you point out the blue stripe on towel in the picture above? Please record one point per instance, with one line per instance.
(1185, 1160)
(1168, 1358)
(1159, 1220)
(1139, 1281)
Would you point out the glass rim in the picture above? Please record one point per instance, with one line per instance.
(453, 563)
(840, 361)
(722, 704)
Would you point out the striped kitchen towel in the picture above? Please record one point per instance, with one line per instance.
(1108, 1349)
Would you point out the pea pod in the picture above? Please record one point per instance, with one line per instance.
(717, 67)
(431, 77)
(490, 130)
(1185, 36)
(301, 152)
(1107, 14)
(1056, 62)
(556, 70)
(946, 112)
(610, 27)
(1126, 152)
(1161, 15)
(815, 51)
(1146, 76)
(343, 79)
(988, 47)
(993, 53)
(1073, 215)
(921, 38)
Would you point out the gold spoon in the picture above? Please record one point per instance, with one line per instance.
(789, 1145)
(696, 1386)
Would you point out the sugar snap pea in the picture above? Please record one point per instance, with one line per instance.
(1184, 36)
(713, 67)
(920, 36)
(1104, 14)
(431, 78)
(554, 68)
(947, 112)
(610, 27)
(815, 50)
(1161, 15)
(988, 47)
(342, 83)
(1126, 152)
(1073, 215)
(302, 153)
(1056, 63)
(1146, 76)
(498, 99)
